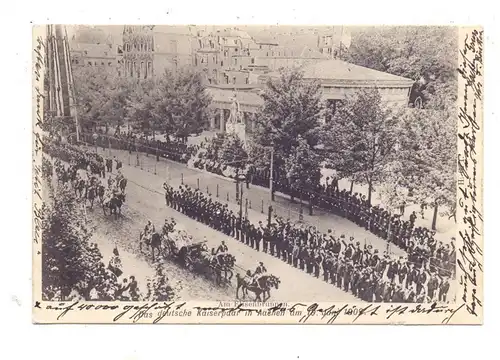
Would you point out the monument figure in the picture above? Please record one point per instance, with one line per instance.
(235, 114)
(235, 124)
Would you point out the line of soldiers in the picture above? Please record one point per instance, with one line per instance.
(355, 207)
(175, 150)
(361, 270)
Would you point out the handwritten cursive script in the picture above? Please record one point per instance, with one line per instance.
(470, 218)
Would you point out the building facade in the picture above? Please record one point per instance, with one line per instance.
(150, 50)
(338, 80)
(95, 55)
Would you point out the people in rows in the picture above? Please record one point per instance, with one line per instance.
(344, 262)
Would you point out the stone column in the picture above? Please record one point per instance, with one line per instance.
(252, 121)
(212, 121)
(222, 121)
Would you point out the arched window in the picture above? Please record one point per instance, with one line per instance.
(150, 69)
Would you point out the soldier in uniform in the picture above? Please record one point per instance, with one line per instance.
(444, 287)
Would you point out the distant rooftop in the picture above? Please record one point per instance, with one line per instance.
(94, 50)
(341, 70)
(244, 97)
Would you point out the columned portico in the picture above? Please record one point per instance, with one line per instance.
(222, 120)
(249, 103)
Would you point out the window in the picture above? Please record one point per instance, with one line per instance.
(173, 46)
(95, 63)
(209, 81)
(105, 53)
(85, 52)
(102, 63)
(253, 61)
(235, 42)
(222, 63)
(246, 80)
(235, 61)
(109, 63)
(260, 47)
(234, 80)
(235, 49)
(150, 69)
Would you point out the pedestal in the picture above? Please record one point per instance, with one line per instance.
(238, 129)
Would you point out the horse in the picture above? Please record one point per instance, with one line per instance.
(265, 283)
(224, 264)
(100, 191)
(91, 194)
(79, 186)
(154, 243)
(114, 205)
(122, 185)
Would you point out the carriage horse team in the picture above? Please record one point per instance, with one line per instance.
(216, 263)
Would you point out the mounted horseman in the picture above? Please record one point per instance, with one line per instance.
(151, 238)
(112, 200)
(259, 285)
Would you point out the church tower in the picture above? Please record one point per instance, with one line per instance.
(138, 51)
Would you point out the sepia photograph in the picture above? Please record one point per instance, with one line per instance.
(257, 174)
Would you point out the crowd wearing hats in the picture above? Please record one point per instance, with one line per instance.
(175, 150)
(358, 268)
(417, 241)
(106, 283)
(346, 263)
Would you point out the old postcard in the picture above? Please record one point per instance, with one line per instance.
(257, 174)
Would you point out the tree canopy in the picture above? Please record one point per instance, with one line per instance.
(232, 151)
(174, 102)
(182, 102)
(101, 96)
(361, 138)
(71, 264)
(292, 108)
(426, 54)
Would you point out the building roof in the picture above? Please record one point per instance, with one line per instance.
(162, 43)
(337, 70)
(243, 97)
(175, 29)
(341, 70)
(94, 50)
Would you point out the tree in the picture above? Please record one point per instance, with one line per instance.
(141, 104)
(292, 108)
(232, 151)
(427, 162)
(425, 54)
(101, 96)
(303, 168)
(71, 264)
(182, 103)
(362, 137)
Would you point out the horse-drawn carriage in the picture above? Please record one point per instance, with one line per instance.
(198, 259)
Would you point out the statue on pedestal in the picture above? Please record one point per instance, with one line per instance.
(235, 114)
(235, 122)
